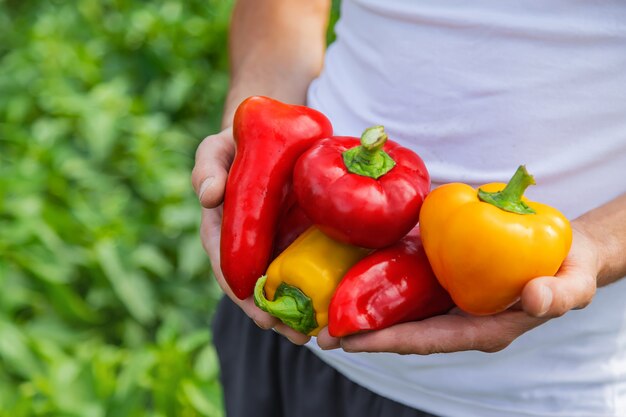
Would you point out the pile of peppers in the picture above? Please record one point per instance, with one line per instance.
(323, 230)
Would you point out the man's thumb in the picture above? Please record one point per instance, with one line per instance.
(213, 159)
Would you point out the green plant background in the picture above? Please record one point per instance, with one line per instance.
(106, 295)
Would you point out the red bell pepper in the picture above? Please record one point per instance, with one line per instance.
(270, 136)
(367, 193)
(392, 285)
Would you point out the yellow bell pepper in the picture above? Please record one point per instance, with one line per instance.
(301, 281)
(485, 245)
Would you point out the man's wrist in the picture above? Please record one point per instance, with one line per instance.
(583, 230)
(605, 229)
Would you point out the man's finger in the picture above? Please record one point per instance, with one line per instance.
(294, 336)
(261, 318)
(326, 341)
(446, 333)
(210, 233)
(554, 296)
(573, 287)
(213, 159)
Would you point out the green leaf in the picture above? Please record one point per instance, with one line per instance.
(207, 364)
(15, 352)
(199, 400)
(149, 257)
(191, 342)
(131, 286)
(192, 258)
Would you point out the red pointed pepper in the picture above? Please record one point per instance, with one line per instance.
(270, 136)
(365, 192)
(389, 286)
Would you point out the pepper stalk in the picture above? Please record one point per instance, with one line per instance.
(510, 198)
(290, 305)
(369, 159)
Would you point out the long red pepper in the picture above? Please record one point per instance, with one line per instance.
(389, 286)
(365, 192)
(270, 136)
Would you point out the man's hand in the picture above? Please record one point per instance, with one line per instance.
(213, 159)
(542, 299)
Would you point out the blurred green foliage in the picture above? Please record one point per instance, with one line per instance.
(105, 291)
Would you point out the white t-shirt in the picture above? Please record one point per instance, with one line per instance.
(478, 88)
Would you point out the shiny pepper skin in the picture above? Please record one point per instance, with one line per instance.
(391, 285)
(270, 136)
(484, 254)
(301, 280)
(367, 192)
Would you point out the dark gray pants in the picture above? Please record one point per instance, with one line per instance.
(264, 375)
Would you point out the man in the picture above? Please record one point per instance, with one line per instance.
(476, 89)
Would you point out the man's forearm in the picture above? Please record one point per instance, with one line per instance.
(276, 49)
(606, 225)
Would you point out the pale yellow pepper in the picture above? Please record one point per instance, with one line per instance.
(301, 281)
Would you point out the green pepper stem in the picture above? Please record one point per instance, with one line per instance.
(369, 159)
(290, 305)
(510, 198)
(373, 139)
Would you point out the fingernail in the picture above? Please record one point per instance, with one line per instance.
(546, 300)
(283, 335)
(330, 347)
(260, 326)
(345, 346)
(205, 184)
